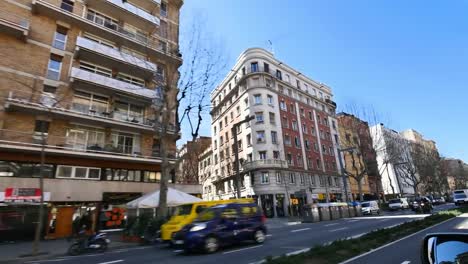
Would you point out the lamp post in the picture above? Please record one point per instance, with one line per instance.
(236, 153)
(343, 171)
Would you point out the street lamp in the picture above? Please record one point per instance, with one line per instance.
(343, 171)
(236, 152)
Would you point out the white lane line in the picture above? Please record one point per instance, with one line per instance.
(332, 224)
(356, 236)
(394, 242)
(297, 252)
(299, 230)
(269, 235)
(110, 262)
(406, 262)
(338, 229)
(352, 221)
(178, 251)
(383, 220)
(242, 249)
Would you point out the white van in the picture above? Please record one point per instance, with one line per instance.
(398, 204)
(460, 196)
(370, 207)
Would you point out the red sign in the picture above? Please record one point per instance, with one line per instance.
(22, 195)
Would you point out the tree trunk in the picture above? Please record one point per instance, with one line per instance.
(40, 220)
(359, 182)
(163, 186)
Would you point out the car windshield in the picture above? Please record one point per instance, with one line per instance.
(183, 209)
(460, 196)
(206, 215)
(394, 201)
(365, 204)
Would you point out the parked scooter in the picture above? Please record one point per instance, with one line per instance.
(95, 243)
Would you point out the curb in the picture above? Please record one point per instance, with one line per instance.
(55, 255)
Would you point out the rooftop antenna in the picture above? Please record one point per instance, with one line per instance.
(271, 47)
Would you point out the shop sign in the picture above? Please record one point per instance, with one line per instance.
(22, 195)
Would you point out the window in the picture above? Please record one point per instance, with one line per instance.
(232, 116)
(291, 108)
(287, 78)
(307, 145)
(268, 82)
(279, 177)
(316, 149)
(125, 143)
(246, 102)
(325, 121)
(283, 105)
(262, 155)
(274, 137)
(294, 125)
(266, 67)
(292, 178)
(67, 5)
(331, 151)
(270, 99)
(130, 79)
(83, 138)
(163, 9)
(261, 137)
(272, 118)
(54, 67)
(334, 124)
(287, 140)
(162, 46)
(226, 121)
(258, 99)
(324, 149)
(318, 119)
(276, 154)
(89, 103)
(304, 128)
(254, 66)
(309, 163)
(128, 112)
(95, 69)
(279, 75)
(16, 169)
(78, 172)
(102, 19)
(312, 130)
(318, 163)
(302, 179)
(130, 175)
(311, 116)
(297, 142)
(238, 110)
(49, 89)
(299, 160)
(322, 180)
(312, 179)
(259, 117)
(249, 140)
(289, 159)
(298, 84)
(163, 28)
(239, 145)
(285, 122)
(220, 125)
(60, 38)
(265, 178)
(302, 112)
(214, 130)
(215, 144)
(41, 126)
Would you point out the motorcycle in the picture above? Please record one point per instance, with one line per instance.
(97, 242)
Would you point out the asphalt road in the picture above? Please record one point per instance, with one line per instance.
(280, 240)
(407, 250)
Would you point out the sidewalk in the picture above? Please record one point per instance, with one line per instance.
(14, 252)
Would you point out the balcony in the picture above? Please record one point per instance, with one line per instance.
(265, 164)
(80, 75)
(14, 25)
(330, 102)
(24, 142)
(133, 14)
(116, 33)
(87, 49)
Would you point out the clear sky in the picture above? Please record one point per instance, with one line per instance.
(408, 59)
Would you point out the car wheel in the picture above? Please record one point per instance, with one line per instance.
(378, 212)
(259, 236)
(74, 249)
(211, 245)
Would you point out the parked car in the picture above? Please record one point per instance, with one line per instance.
(439, 200)
(370, 207)
(398, 204)
(460, 197)
(223, 225)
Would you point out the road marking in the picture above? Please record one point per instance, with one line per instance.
(383, 220)
(352, 221)
(269, 235)
(356, 236)
(110, 262)
(242, 249)
(338, 229)
(299, 230)
(406, 262)
(332, 224)
(178, 251)
(297, 252)
(120, 251)
(394, 242)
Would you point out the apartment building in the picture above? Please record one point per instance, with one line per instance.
(392, 150)
(205, 167)
(189, 155)
(288, 152)
(359, 156)
(78, 82)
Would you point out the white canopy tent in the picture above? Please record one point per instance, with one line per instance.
(151, 200)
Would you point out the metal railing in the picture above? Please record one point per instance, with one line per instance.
(50, 103)
(266, 163)
(12, 18)
(73, 144)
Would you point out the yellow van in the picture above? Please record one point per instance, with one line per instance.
(186, 213)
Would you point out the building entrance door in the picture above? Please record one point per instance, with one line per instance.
(60, 222)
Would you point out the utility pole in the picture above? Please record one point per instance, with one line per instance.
(343, 171)
(236, 153)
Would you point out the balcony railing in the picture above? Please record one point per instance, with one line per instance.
(135, 10)
(14, 25)
(60, 144)
(46, 102)
(112, 83)
(14, 19)
(115, 54)
(265, 164)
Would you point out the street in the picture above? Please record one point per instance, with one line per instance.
(280, 240)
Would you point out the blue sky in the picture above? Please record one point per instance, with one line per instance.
(408, 59)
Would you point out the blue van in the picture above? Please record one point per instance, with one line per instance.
(222, 225)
